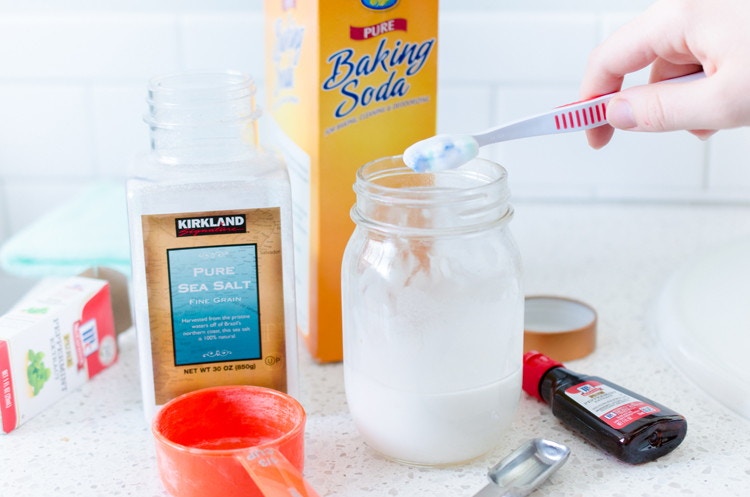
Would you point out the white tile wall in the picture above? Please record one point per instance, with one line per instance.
(73, 76)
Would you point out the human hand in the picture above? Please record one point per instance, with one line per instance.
(676, 37)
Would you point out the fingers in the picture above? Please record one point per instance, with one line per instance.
(662, 106)
(598, 137)
(703, 134)
(675, 37)
(627, 50)
(620, 114)
(662, 69)
(652, 35)
(666, 107)
(659, 106)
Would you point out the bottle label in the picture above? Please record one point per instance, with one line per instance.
(615, 408)
(216, 308)
(214, 292)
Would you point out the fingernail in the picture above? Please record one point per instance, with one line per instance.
(620, 114)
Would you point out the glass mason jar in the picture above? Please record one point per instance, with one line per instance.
(432, 311)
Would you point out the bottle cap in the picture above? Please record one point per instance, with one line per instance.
(559, 327)
(535, 366)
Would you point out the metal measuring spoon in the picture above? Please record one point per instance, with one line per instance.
(525, 469)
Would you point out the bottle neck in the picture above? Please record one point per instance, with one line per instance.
(393, 198)
(202, 118)
(555, 378)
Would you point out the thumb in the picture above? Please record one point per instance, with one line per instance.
(664, 107)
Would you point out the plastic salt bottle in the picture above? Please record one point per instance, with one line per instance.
(211, 244)
(432, 311)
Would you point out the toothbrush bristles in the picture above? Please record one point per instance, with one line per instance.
(440, 153)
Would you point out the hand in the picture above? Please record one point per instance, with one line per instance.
(676, 37)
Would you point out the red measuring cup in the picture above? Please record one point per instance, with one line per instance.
(232, 441)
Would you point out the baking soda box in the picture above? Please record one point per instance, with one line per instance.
(347, 82)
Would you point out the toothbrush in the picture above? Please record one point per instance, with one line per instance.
(442, 152)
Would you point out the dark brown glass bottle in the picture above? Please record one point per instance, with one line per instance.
(627, 425)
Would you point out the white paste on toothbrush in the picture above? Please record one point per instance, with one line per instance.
(441, 152)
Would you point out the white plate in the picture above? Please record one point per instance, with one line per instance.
(702, 319)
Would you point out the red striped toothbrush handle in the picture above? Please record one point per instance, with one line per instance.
(582, 115)
(591, 113)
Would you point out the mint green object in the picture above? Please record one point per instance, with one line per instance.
(89, 230)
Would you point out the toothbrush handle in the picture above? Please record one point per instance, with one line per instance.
(576, 116)
(571, 117)
(541, 124)
(592, 113)
(581, 115)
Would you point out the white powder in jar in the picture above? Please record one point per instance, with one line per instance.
(431, 429)
(432, 369)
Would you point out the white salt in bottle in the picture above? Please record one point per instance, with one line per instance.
(211, 244)
(432, 311)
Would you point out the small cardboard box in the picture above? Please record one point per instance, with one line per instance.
(58, 336)
(347, 82)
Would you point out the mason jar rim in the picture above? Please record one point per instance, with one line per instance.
(368, 184)
(489, 194)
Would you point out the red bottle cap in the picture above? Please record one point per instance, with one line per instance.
(535, 366)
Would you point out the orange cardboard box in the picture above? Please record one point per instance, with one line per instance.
(347, 82)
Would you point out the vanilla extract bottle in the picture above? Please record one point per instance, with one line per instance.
(211, 244)
(621, 422)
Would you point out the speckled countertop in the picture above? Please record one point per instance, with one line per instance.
(615, 257)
